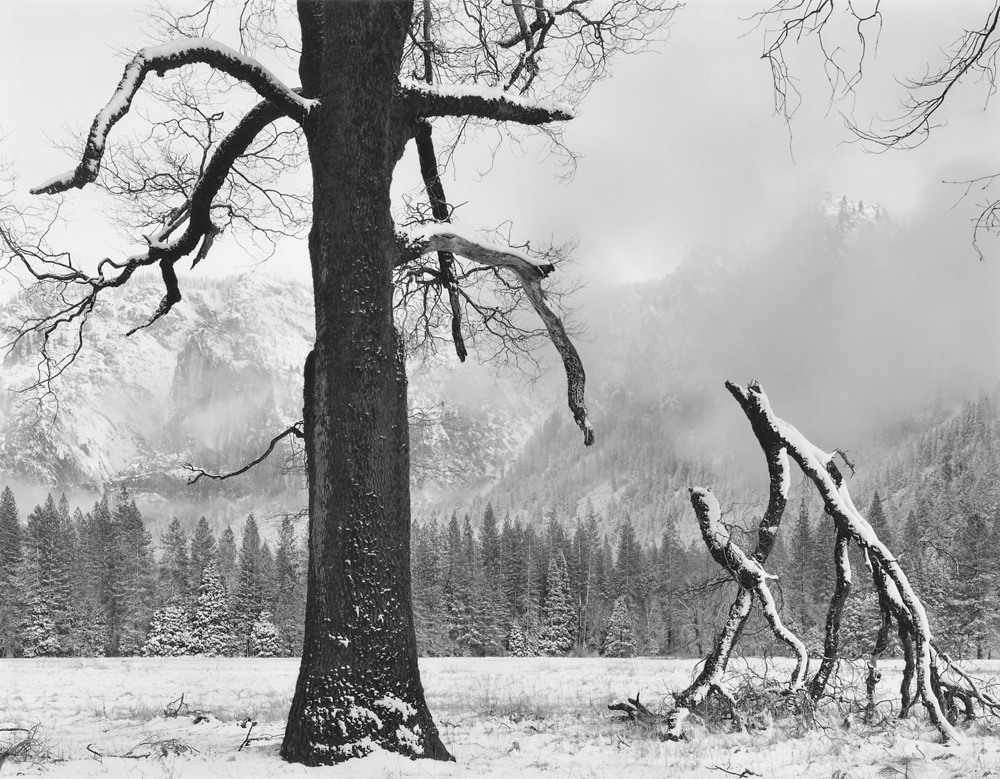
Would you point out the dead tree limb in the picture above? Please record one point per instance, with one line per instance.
(820, 468)
(747, 572)
(294, 430)
(715, 664)
(831, 641)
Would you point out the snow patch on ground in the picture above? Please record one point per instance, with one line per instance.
(500, 717)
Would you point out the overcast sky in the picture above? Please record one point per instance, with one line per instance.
(679, 148)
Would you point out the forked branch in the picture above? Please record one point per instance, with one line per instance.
(160, 59)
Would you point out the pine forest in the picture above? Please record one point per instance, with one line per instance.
(499, 580)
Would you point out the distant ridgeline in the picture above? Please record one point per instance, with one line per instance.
(210, 385)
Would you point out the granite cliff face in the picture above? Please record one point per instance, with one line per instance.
(210, 384)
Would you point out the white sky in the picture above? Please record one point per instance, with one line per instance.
(679, 147)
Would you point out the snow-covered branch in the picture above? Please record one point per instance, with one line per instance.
(438, 237)
(187, 231)
(747, 572)
(427, 100)
(820, 468)
(446, 237)
(160, 59)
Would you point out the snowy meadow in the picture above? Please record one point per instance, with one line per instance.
(537, 717)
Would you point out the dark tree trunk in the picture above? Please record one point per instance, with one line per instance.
(831, 643)
(359, 684)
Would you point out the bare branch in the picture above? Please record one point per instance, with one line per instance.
(819, 467)
(294, 430)
(161, 59)
(747, 572)
(439, 208)
(427, 100)
(529, 272)
(166, 246)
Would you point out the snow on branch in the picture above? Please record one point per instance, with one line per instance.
(436, 237)
(444, 237)
(484, 102)
(189, 227)
(820, 468)
(169, 56)
(747, 572)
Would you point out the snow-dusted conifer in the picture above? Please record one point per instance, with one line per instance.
(203, 552)
(248, 600)
(212, 632)
(558, 627)
(10, 537)
(226, 558)
(265, 641)
(619, 640)
(517, 644)
(37, 633)
(10, 562)
(290, 605)
(175, 565)
(170, 633)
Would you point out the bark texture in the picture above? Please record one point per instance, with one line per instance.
(359, 685)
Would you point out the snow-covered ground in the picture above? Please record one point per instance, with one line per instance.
(503, 717)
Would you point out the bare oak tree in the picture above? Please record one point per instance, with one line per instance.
(374, 76)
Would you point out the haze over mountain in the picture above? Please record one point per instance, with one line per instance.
(852, 324)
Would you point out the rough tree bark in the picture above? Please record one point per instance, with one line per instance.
(359, 686)
(359, 661)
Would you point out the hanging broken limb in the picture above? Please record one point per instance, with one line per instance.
(529, 271)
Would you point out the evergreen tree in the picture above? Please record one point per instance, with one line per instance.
(972, 606)
(10, 537)
(134, 587)
(170, 633)
(289, 576)
(880, 523)
(203, 552)
(586, 553)
(212, 632)
(619, 638)
(38, 635)
(100, 604)
(175, 565)
(628, 564)
(226, 554)
(517, 645)
(558, 628)
(248, 602)
(51, 548)
(265, 641)
(490, 551)
(796, 585)
(10, 562)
